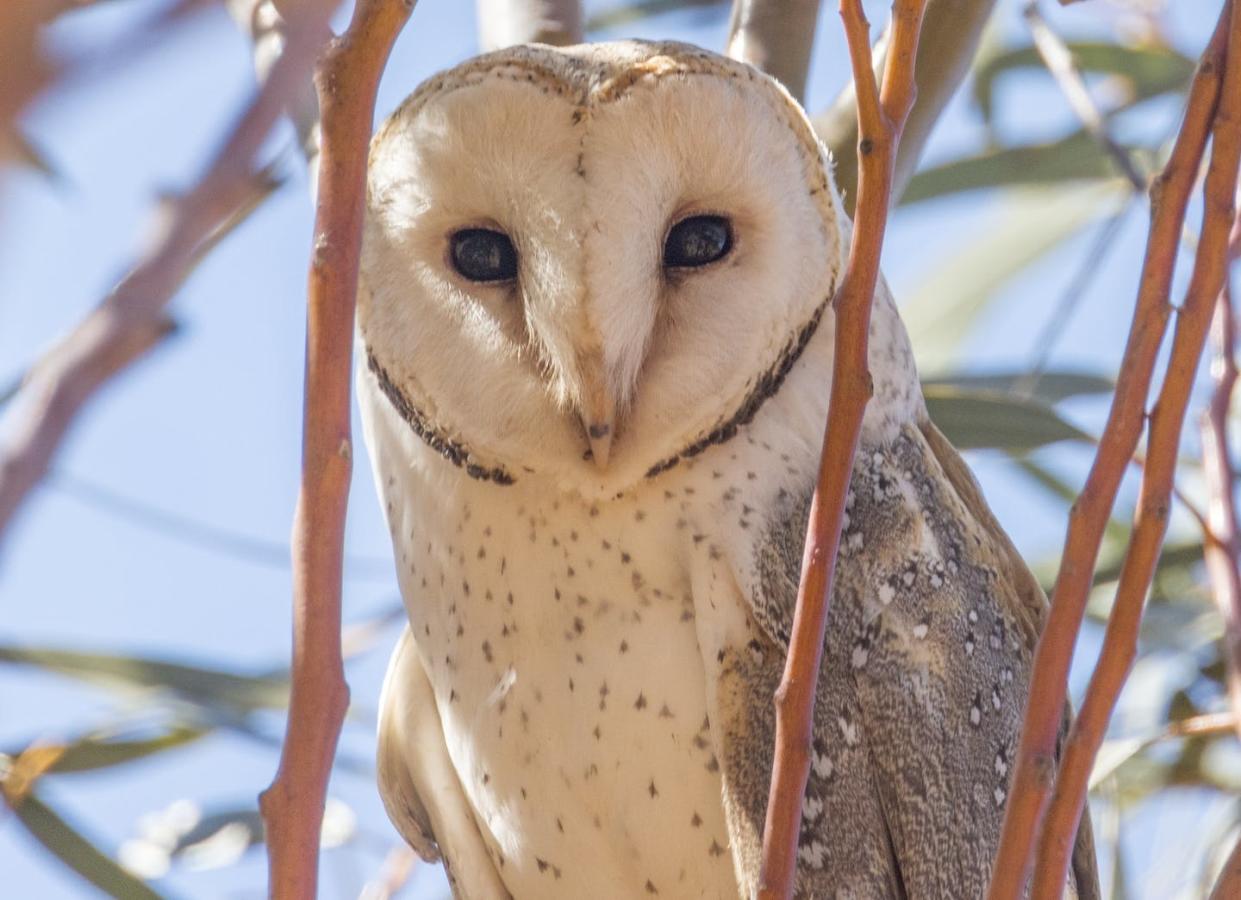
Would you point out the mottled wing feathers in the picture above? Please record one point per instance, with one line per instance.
(1032, 607)
(418, 784)
(920, 697)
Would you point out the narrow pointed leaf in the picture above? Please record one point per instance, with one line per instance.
(78, 853)
(1076, 157)
(981, 419)
(211, 687)
(1050, 387)
(1147, 71)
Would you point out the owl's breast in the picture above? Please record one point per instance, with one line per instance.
(560, 641)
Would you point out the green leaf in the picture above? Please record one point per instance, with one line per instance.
(1076, 157)
(1050, 387)
(239, 694)
(984, 419)
(78, 853)
(941, 313)
(1173, 555)
(1146, 71)
(92, 753)
(625, 13)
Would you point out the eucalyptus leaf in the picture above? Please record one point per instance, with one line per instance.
(1050, 387)
(1147, 71)
(1174, 555)
(1077, 157)
(90, 753)
(984, 419)
(78, 853)
(240, 694)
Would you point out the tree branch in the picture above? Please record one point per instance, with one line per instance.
(1167, 418)
(881, 114)
(1228, 885)
(950, 34)
(776, 36)
(1035, 764)
(131, 319)
(503, 23)
(346, 81)
(1222, 544)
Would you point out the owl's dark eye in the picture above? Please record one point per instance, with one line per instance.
(481, 254)
(697, 241)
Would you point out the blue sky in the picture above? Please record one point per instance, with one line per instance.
(209, 425)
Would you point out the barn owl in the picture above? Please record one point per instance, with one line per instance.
(595, 345)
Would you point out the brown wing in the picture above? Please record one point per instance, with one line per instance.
(920, 698)
(1032, 601)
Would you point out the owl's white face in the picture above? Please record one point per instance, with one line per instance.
(586, 264)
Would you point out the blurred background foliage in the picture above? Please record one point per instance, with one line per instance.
(1014, 254)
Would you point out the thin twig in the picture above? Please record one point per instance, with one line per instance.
(1035, 763)
(131, 319)
(1150, 524)
(1059, 61)
(951, 31)
(503, 23)
(346, 81)
(881, 116)
(776, 36)
(1223, 545)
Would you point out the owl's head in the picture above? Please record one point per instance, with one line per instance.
(587, 264)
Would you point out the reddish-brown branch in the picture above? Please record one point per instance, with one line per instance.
(1228, 886)
(346, 81)
(1167, 419)
(1035, 764)
(132, 318)
(1222, 542)
(881, 116)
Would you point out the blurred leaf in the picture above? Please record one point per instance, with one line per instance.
(1147, 71)
(942, 312)
(624, 13)
(1077, 157)
(1173, 555)
(92, 753)
(983, 419)
(240, 694)
(1050, 387)
(78, 853)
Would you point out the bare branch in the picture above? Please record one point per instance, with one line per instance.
(776, 36)
(268, 33)
(1222, 546)
(881, 113)
(346, 82)
(1035, 765)
(503, 23)
(950, 34)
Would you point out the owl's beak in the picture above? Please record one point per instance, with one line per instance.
(599, 433)
(598, 415)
